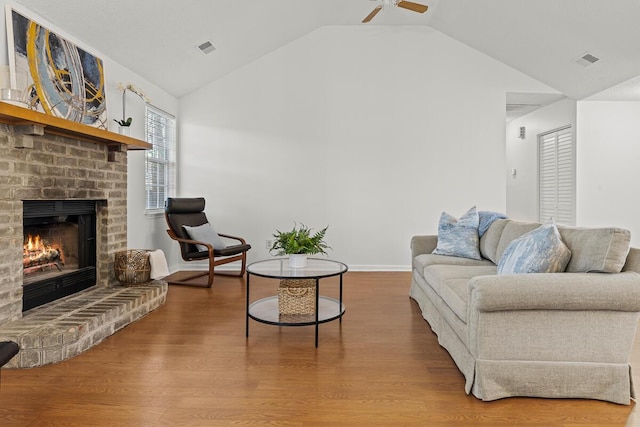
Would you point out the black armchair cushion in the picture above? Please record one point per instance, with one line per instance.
(181, 212)
(185, 211)
(178, 205)
(8, 349)
(228, 251)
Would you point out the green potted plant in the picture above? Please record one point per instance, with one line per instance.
(123, 122)
(298, 244)
(123, 125)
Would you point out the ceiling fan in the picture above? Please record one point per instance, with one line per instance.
(416, 7)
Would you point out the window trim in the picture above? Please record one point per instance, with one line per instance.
(169, 160)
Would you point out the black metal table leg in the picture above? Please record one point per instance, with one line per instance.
(340, 307)
(247, 320)
(317, 307)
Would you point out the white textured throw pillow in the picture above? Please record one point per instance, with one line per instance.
(459, 237)
(538, 251)
(205, 233)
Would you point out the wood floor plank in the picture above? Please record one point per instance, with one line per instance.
(189, 363)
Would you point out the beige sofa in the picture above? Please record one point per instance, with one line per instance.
(556, 335)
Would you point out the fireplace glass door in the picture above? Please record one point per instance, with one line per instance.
(59, 252)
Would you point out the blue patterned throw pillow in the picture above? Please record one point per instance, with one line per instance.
(486, 219)
(459, 237)
(538, 251)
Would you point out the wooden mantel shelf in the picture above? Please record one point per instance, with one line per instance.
(15, 116)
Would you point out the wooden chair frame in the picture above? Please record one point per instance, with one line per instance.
(212, 261)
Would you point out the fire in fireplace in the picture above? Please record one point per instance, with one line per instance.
(59, 253)
(39, 255)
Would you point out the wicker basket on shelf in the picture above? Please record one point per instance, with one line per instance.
(297, 296)
(132, 267)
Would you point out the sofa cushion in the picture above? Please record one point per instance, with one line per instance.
(459, 237)
(592, 249)
(490, 239)
(596, 249)
(425, 260)
(539, 251)
(450, 282)
(512, 230)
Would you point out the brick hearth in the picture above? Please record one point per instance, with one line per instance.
(53, 167)
(67, 327)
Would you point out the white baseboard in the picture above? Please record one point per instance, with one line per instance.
(380, 268)
(231, 267)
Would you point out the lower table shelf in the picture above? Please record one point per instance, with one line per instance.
(266, 311)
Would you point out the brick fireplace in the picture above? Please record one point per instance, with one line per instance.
(53, 167)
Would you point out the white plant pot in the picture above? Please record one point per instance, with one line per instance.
(124, 130)
(297, 260)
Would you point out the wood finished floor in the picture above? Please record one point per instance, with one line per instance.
(189, 364)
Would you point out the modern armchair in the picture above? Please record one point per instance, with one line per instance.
(189, 226)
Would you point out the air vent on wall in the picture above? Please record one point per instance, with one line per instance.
(206, 47)
(587, 59)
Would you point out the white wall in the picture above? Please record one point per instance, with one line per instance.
(608, 155)
(143, 232)
(371, 130)
(522, 155)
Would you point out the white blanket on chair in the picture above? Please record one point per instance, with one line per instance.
(159, 267)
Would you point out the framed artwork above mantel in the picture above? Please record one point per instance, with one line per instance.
(55, 76)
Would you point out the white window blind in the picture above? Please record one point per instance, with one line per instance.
(160, 129)
(557, 177)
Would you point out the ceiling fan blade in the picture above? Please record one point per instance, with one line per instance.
(416, 7)
(373, 13)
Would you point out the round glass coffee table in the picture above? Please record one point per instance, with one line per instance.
(266, 310)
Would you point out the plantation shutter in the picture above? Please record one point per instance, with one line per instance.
(556, 177)
(160, 129)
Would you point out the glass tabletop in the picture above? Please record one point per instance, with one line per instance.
(279, 268)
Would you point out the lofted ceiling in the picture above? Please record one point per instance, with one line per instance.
(542, 38)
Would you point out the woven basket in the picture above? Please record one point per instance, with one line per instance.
(132, 267)
(297, 296)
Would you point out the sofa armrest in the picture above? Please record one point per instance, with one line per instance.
(556, 291)
(423, 245)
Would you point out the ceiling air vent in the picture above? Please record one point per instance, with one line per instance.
(587, 59)
(206, 47)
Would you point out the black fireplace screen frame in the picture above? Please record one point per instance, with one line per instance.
(84, 212)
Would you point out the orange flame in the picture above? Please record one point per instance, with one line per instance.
(37, 251)
(34, 244)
